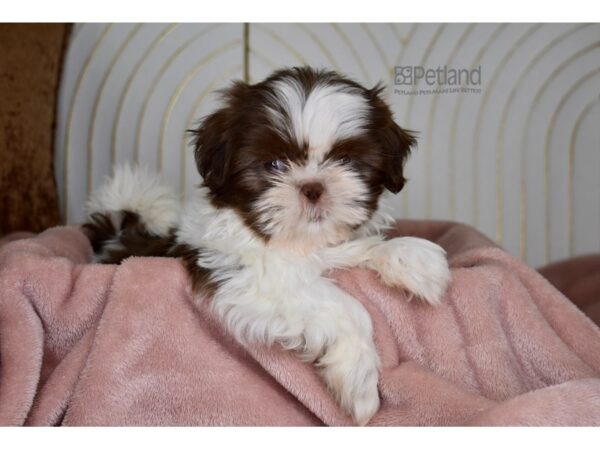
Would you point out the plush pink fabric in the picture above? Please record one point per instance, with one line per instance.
(87, 344)
(579, 279)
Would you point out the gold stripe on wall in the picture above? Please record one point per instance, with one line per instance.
(539, 94)
(571, 170)
(404, 42)
(547, 159)
(91, 126)
(283, 42)
(429, 132)
(181, 87)
(82, 75)
(499, 153)
(507, 107)
(160, 38)
(455, 115)
(246, 52)
(322, 47)
(432, 42)
(168, 63)
(265, 59)
(192, 116)
(101, 69)
(398, 61)
(401, 40)
(340, 32)
(378, 48)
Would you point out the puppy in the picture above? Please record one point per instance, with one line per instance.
(293, 171)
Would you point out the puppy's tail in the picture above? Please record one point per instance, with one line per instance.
(131, 214)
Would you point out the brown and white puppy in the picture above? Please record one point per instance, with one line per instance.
(293, 171)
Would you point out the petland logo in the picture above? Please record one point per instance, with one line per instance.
(410, 80)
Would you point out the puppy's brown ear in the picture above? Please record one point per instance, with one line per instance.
(213, 139)
(395, 143)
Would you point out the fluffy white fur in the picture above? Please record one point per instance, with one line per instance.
(277, 290)
(271, 295)
(138, 191)
(268, 293)
(328, 114)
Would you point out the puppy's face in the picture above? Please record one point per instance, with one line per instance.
(302, 157)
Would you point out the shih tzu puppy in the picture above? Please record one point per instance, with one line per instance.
(293, 169)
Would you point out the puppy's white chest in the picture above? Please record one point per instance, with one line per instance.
(285, 278)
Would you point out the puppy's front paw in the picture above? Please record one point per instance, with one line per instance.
(352, 374)
(364, 404)
(414, 264)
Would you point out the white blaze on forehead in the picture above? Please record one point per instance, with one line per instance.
(328, 113)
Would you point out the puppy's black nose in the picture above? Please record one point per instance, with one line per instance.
(312, 191)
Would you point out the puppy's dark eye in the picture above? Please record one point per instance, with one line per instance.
(276, 165)
(345, 159)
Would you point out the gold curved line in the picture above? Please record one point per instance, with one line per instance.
(536, 100)
(81, 77)
(265, 59)
(117, 122)
(457, 106)
(439, 30)
(304, 27)
(571, 193)
(404, 42)
(378, 48)
(190, 119)
(499, 155)
(155, 81)
(399, 38)
(451, 159)
(246, 57)
(209, 89)
(261, 56)
(432, 111)
(282, 42)
(91, 126)
(355, 54)
(403, 197)
(180, 88)
(507, 106)
(553, 119)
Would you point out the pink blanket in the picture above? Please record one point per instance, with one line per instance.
(87, 344)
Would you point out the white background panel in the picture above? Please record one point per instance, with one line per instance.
(127, 95)
(520, 160)
(586, 181)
